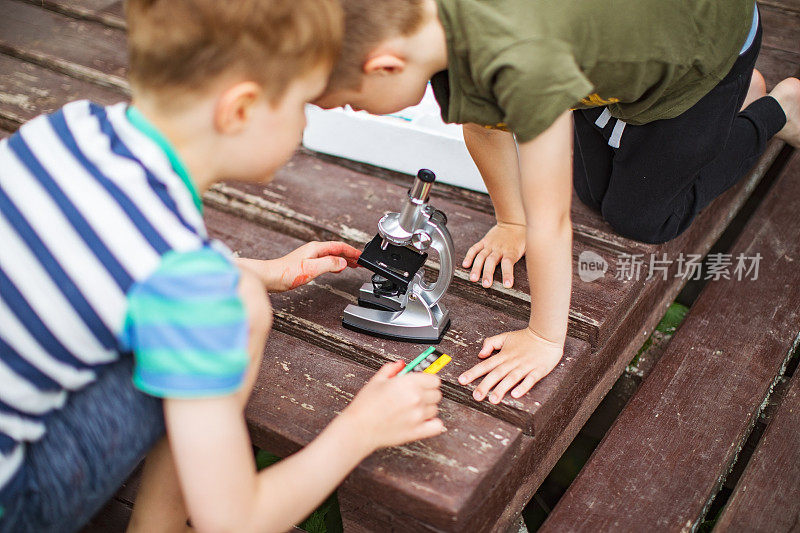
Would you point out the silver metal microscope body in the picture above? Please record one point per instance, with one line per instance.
(418, 313)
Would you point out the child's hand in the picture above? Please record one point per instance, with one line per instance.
(524, 356)
(504, 244)
(306, 263)
(392, 409)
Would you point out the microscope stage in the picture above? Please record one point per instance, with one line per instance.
(396, 263)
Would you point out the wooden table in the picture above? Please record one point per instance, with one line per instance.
(480, 473)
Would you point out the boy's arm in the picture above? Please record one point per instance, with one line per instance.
(495, 154)
(213, 454)
(216, 469)
(530, 354)
(208, 436)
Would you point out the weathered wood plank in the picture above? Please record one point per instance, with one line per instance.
(777, 65)
(108, 12)
(665, 456)
(788, 5)
(767, 495)
(313, 312)
(301, 387)
(365, 515)
(782, 27)
(27, 90)
(78, 48)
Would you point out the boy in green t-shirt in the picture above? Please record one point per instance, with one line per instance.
(660, 99)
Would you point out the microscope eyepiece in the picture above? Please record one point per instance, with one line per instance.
(419, 191)
(426, 175)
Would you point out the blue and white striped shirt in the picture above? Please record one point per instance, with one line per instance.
(92, 207)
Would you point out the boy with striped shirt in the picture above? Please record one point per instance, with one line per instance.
(119, 316)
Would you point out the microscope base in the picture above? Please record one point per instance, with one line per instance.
(390, 337)
(408, 325)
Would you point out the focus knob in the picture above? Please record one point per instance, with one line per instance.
(421, 240)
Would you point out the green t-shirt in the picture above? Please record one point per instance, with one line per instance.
(519, 64)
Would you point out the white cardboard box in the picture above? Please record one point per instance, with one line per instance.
(407, 141)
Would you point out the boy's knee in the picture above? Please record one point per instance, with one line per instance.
(643, 226)
(582, 192)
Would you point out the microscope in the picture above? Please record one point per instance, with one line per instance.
(398, 303)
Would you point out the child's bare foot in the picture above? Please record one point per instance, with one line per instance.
(758, 88)
(787, 93)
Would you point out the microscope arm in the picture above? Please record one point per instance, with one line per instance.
(442, 242)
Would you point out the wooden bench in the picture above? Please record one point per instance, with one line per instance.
(767, 495)
(664, 459)
(481, 473)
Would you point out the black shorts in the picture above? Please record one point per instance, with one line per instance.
(650, 181)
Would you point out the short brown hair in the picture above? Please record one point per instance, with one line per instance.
(367, 23)
(182, 46)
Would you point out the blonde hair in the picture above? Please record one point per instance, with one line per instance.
(367, 23)
(183, 46)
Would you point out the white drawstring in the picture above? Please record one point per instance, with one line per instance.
(602, 120)
(616, 134)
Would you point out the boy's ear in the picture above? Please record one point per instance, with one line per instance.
(235, 106)
(384, 64)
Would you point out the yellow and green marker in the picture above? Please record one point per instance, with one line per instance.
(430, 361)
